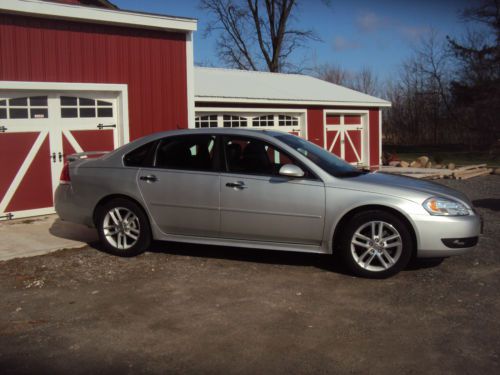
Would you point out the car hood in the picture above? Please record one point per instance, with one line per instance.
(405, 187)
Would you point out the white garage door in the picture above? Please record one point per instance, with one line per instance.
(292, 123)
(37, 131)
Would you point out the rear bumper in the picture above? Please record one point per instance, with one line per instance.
(68, 209)
(441, 236)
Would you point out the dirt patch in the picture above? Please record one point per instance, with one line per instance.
(203, 309)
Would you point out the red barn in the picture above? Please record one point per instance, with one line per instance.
(83, 78)
(82, 75)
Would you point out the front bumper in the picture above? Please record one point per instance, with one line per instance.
(433, 233)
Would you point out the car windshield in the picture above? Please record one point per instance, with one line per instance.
(321, 157)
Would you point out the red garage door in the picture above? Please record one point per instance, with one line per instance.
(37, 132)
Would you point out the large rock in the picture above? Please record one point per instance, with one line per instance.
(404, 164)
(416, 164)
(451, 166)
(496, 171)
(423, 160)
(394, 163)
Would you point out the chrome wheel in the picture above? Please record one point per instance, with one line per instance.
(376, 246)
(121, 228)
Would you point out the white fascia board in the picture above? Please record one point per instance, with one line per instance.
(61, 86)
(46, 9)
(291, 102)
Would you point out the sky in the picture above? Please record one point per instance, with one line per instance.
(377, 34)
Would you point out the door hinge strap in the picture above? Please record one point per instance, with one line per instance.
(3, 129)
(102, 126)
(9, 216)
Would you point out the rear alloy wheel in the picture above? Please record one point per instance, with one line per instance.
(123, 228)
(376, 244)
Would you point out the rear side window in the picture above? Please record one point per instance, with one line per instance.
(192, 152)
(142, 156)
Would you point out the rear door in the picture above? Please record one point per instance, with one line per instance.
(181, 189)
(258, 204)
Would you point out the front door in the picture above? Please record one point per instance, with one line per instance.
(181, 189)
(258, 204)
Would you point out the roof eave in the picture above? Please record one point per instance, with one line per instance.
(218, 99)
(71, 12)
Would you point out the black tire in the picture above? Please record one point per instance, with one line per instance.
(138, 226)
(393, 225)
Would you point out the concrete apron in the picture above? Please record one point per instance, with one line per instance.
(41, 235)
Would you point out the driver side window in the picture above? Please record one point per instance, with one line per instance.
(252, 156)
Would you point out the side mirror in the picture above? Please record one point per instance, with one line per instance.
(291, 170)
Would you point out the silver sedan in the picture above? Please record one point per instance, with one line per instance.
(266, 190)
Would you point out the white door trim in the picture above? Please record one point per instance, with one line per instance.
(342, 128)
(190, 80)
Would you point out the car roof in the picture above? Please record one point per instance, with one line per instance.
(230, 131)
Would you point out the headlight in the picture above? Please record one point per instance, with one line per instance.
(445, 207)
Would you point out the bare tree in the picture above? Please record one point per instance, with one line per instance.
(256, 34)
(333, 73)
(476, 87)
(363, 80)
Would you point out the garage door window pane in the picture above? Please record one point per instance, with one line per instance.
(267, 120)
(18, 102)
(209, 121)
(284, 120)
(18, 113)
(69, 112)
(39, 113)
(86, 102)
(103, 103)
(104, 112)
(87, 112)
(38, 101)
(68, 100)
(3, 113)
(3, 103)
(234, 121)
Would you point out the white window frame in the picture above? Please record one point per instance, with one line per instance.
(254, 112)
(121, 90)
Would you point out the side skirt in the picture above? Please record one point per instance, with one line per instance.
(243, 243)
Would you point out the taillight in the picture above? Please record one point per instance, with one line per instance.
(65, 179)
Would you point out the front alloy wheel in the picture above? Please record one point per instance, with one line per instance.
(375, 244)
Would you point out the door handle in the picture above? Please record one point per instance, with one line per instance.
(239, 185)
(149, 178)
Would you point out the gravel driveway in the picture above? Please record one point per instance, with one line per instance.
(200, 309)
